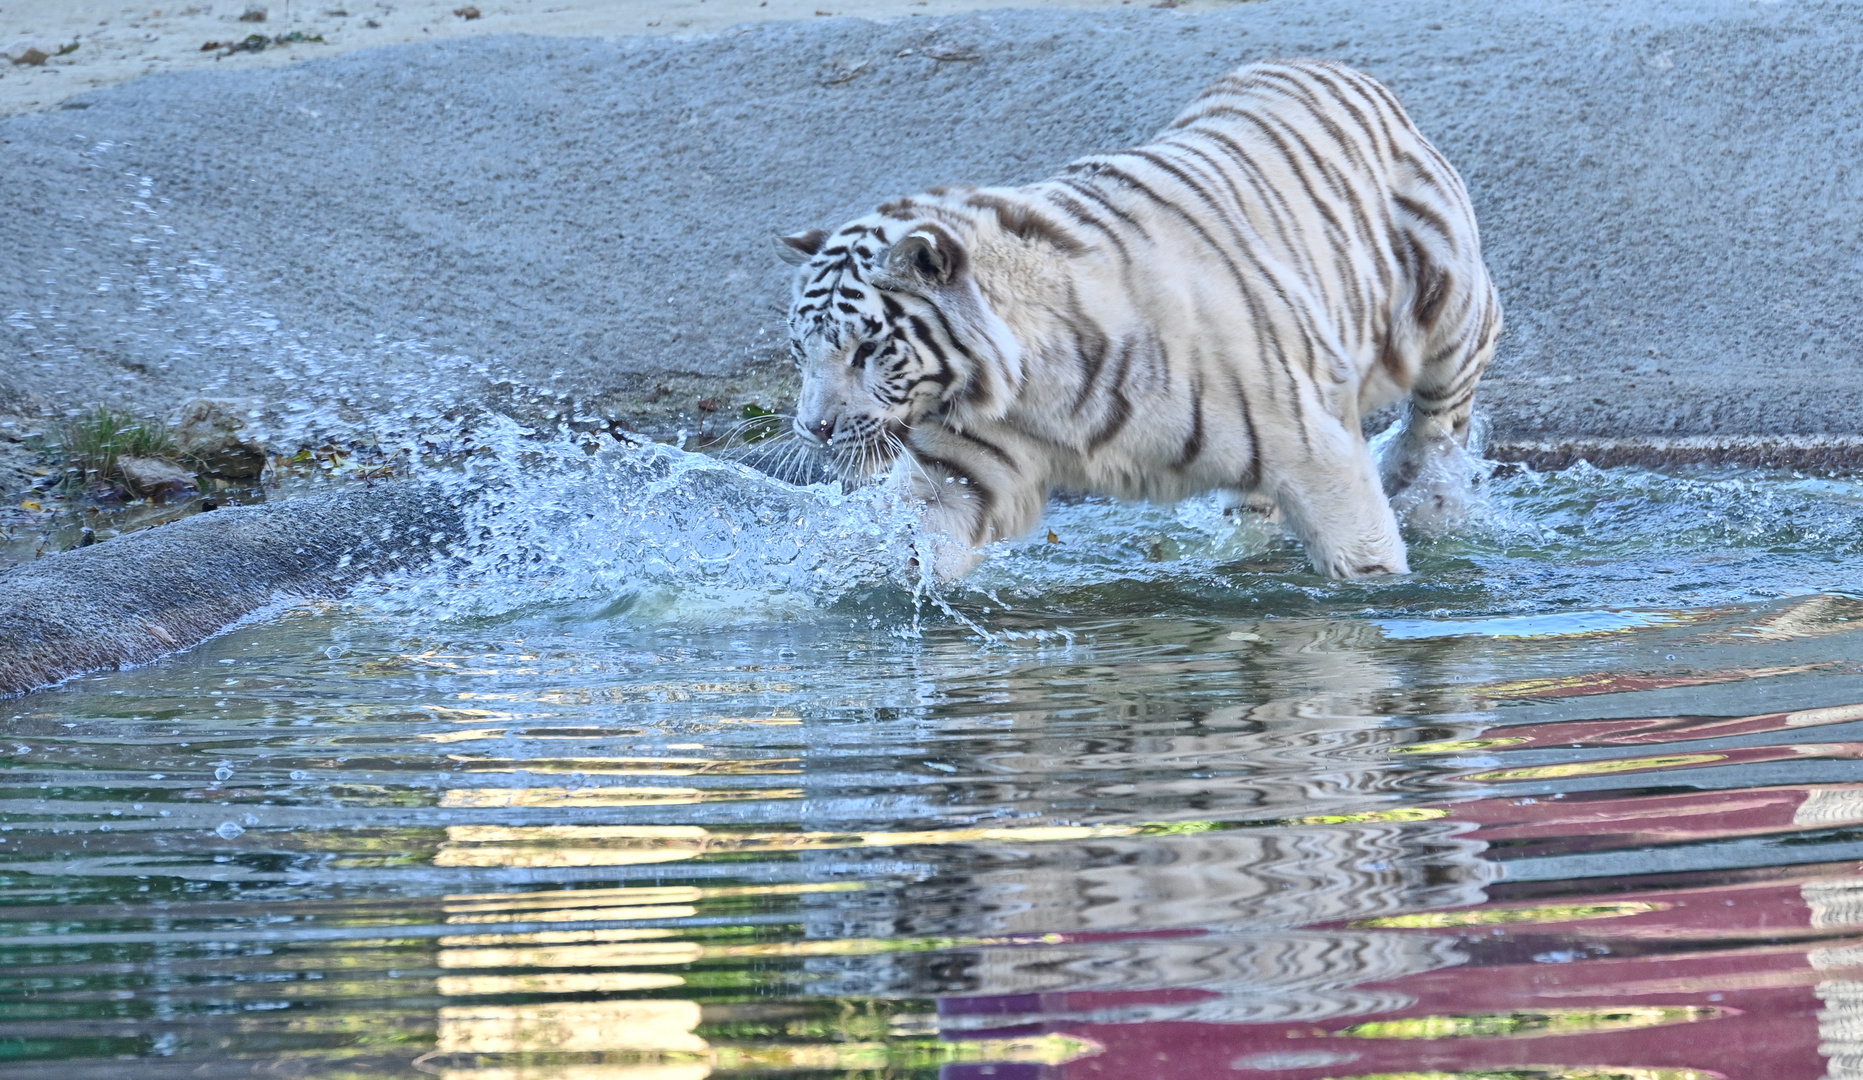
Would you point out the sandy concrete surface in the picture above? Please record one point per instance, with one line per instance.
(117, 41)
(1668, 196)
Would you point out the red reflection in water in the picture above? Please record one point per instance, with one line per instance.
(1594, 821)
(1742, 975)
(1683, 978)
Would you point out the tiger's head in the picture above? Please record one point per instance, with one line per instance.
(890, 330)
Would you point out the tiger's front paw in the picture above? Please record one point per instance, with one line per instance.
(947, 562)
(1345, 565)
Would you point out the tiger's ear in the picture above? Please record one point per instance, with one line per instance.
(796, 249)
(930, 255)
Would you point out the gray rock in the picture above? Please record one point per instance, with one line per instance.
(155, 477)
(146, 594)
(215, 434)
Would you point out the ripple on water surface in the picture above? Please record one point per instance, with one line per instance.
(683, 776)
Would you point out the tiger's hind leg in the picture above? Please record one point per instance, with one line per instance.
(1423, 465)
(1426, 472)
(1331, 497)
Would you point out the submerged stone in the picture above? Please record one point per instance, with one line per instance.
(153, 476)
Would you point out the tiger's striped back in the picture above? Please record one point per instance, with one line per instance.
(1216, 309)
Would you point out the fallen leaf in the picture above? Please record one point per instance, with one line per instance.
(31, 505)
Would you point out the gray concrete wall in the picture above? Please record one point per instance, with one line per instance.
(1668, 195)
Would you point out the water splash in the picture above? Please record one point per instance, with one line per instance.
(649, 533)
(652, 535)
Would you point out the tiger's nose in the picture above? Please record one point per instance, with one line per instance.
(820, 430)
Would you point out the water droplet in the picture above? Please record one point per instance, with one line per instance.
(229, 830)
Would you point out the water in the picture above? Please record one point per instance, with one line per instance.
(678, 773)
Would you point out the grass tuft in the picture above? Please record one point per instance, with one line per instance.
(87, 449)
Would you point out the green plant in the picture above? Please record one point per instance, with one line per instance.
(759, 423)
(87, 449)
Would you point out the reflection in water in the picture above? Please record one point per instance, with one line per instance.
(1354, 834)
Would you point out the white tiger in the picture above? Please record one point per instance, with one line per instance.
(1215, 310)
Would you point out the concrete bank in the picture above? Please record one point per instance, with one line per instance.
(1668, 197)
(141, 596)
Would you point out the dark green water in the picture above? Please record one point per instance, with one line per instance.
(653, 790)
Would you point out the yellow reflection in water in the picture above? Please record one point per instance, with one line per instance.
(556, 982)
(1404, 813)
(1615, 682)
(1459, 746)
(1528, 1025)
(691, 1071)
(556, 900)
(482, 798)
(550, 954)
(653, 933)
(1050, 1049)
(666, 1029)
(1599, 768)
(570, 1027)
(480, 716)
(434, 658)
(624, 845)
(621, 845)
(1552, 913)
(595, 914)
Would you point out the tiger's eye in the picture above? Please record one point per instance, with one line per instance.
(866, 349)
